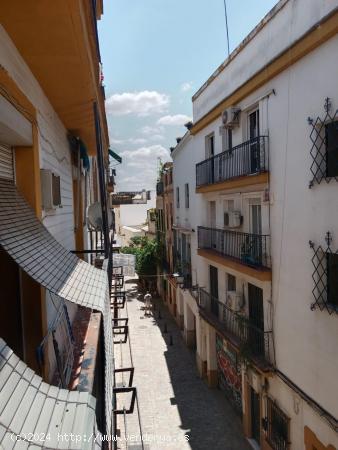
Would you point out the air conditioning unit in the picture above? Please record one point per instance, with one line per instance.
(235, 219)
(234, 300)
(50, 189)
(232, 219)
(230, 117)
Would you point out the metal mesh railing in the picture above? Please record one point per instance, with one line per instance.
(248, 158)
(249, 249)
(253, 340)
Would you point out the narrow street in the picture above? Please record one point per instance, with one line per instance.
(175, 408)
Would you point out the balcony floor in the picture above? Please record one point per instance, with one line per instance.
(173, 400)
(260, 273)
(245, 183)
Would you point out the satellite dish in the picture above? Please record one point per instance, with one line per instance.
(94, 216)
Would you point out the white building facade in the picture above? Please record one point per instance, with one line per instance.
(261, 164)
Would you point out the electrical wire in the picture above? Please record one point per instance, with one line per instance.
(226, 25)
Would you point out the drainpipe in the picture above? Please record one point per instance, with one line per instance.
(103, 196)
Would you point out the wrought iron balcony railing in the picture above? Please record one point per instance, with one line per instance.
(248, 158)
(253, 341)
(250, 249)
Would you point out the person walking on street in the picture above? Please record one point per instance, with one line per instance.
(147, 300)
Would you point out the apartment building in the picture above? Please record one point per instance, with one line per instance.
(260, 165)
(56, 361)
(166, 284)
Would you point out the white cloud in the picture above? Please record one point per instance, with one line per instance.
(140, 167)
(146, 154)
(140, 103)
(114, 141)
(185, 87)
(178, 119)
(137, 141)
(150, 131)
(156, 137)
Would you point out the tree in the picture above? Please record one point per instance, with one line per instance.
(146, 252)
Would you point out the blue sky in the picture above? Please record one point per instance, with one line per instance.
(156, 54)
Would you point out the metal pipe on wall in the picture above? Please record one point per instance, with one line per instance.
(103, 196)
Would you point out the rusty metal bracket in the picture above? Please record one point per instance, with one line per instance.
(120, 329)
(118, 299)
(131, 371)
(121, 390)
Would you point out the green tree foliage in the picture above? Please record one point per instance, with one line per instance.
(146, 252)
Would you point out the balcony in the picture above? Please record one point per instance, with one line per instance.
(252, 342)
(248, 158)
(252, 250)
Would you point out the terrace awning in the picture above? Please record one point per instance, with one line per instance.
(115, 155)
(44, 259)
(28, 404)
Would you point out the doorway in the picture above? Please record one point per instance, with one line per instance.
(255, 415)
(213, 280)
(253, 132)
(256, 317)
(256, 231)
(10, 304)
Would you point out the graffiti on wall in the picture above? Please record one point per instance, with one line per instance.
(229, 372)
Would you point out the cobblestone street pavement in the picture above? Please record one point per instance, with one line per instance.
(173, 402)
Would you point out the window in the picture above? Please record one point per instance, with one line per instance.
(332, 279)
(231, 282)
(253, 134)
(177, 197)
(276, 425)
(186, 186)
(324, 145)
(209, 146)
(56, 188)
(325, 276)
(331, 144)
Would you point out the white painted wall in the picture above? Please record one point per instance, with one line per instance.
(54, 149)
(305, 340)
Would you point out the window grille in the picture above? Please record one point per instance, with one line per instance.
(325, 276)
(276, 425)
(324, 149)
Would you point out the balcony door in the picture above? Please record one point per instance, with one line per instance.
(256, 317)
(212, 224)
(255, 239)
(209, 153)
(212, 214)
(253, 132)
(213, 280)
